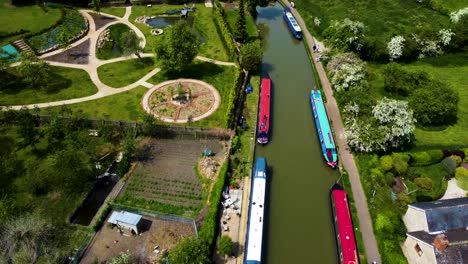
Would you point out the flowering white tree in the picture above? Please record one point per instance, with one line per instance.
(455, 16)
(445, 36)
(347, 71)
(395, 47)
(317, 21)
(345, 34)
(391, 126)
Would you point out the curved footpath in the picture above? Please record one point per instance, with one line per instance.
(94, 63)
(347, 159)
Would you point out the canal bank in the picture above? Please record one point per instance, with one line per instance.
(299, 225)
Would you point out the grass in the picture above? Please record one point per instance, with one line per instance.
(122, 106)
(116, 11)
(203, 23)
(31, 18)
(122, 73)
(452, 5)
(106, 52)
(126, 106)
(64, 83)
(394, 17)
(437, 173)
(449, 68)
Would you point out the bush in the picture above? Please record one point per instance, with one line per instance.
(236, 144)
(457, 159)
(400, 165)
(424, 183)
(402, 155)
(465, 159)
(101, 218)
(449, 165)
(251, 56)
(448, 153)
(402, 82)
(461, 173)
(436, 155)
(386, 162)
(420, 159)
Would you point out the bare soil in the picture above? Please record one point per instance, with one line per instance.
(109, 243)
(76, 55)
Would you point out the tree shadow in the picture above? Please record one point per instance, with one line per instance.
(195, 71)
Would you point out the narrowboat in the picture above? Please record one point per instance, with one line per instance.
(324, 132)
(343, 225)
(263, 127)
(254, 237)
(292, 23)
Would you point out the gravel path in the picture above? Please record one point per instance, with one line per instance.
(346, 158)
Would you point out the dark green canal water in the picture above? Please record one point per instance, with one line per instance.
(299, 228)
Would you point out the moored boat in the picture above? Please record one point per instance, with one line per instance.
(254, 237)
(292, 23)
(343, 225)
(263, 127)
(324, 132)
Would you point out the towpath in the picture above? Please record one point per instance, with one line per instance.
(346, 157)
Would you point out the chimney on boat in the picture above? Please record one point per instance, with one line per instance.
(441, 242)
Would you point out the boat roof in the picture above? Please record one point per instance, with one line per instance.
(264, 112)
(256, 216)
(345, 227)
(323, 119)
(293, 21)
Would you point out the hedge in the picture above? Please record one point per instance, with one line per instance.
(208, 231)
(426, 158)
(223, 29)
(100, 220)
(233, 95)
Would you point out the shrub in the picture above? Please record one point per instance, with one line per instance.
(461, 174)
(449, 165)
(347, 72)
(236, 143)
(400, 165)
(101, 218)
(386, 162)
(345, 35)
(424, 183)
(251, 56)
(420, 159)
(457, 159)
(395, 47)
(402, 82)
(436, 155)
(448, 153)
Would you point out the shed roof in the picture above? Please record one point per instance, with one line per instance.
(124, 217)
(443, 215)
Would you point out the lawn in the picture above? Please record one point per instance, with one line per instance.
(450, 68)
(123, 73)
(64, 83)
(122, 106)
(202, 21)
(221, 77)
(382, 18)
(452, 5)
(31, 18)
(116, 11)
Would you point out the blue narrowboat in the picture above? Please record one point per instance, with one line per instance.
(323, 129)
(292, 23)
(254, 237)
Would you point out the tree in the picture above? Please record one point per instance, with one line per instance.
(401, 82)
(190, 251)
(225, 245)
(399, 165)
(27, 129)
(423, 183)
(348, 72)
(435, 104)
(96, 5)
(130, 43)
(346, 35)
(240, 33)
(251, 56)
(55, 130)
(34, 71)
(450, 165)
(386, 162)
(179, 47)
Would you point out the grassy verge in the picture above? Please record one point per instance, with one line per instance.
(122, 73)
(29, 18)
(122, 106)
(64, 83)
(116, 11)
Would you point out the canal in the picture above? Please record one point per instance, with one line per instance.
(299, 228)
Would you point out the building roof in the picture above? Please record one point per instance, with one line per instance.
(443, 215)
(124, 218)
(457, 250)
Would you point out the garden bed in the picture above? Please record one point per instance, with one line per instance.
(76, 55)
(101, 20)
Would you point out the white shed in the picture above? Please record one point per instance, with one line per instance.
(126, 220)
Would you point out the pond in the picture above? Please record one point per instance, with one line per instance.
(96, 197)
(164, 22)
(9, 52)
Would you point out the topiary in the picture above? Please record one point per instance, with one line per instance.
(386, 162)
